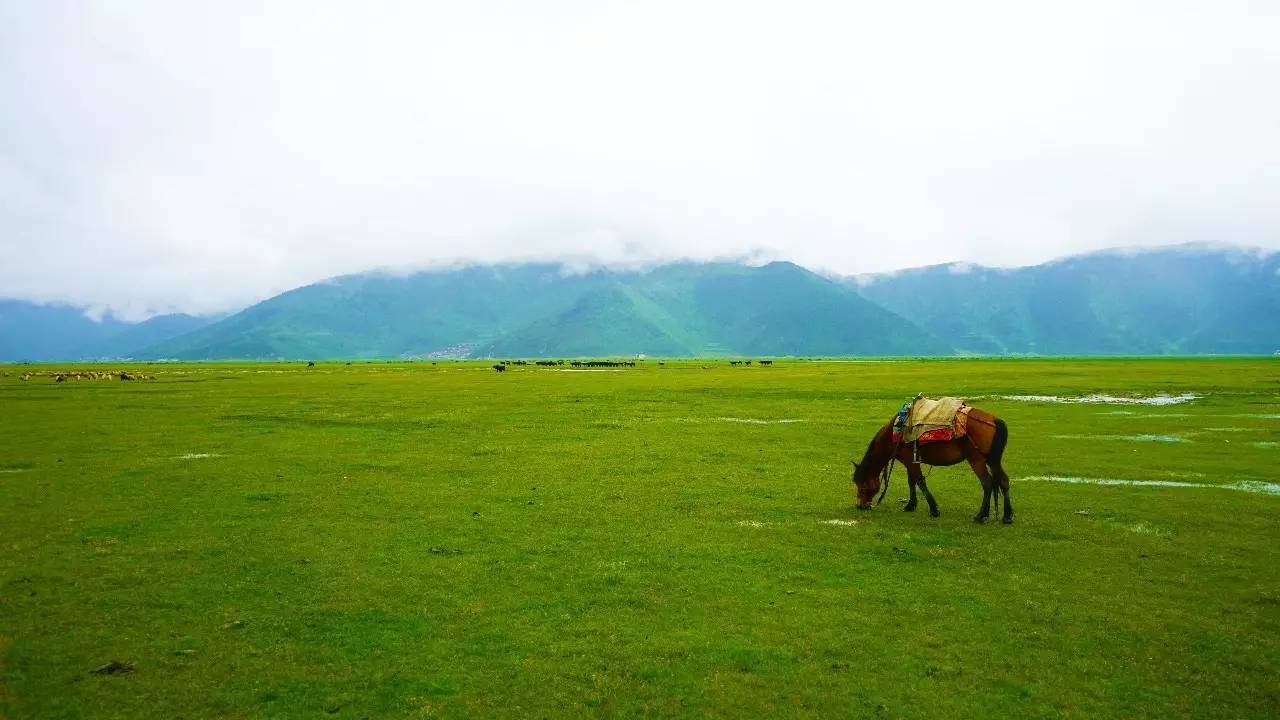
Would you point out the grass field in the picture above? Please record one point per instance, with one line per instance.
(418, 540)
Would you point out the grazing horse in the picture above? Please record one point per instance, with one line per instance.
(983, 446)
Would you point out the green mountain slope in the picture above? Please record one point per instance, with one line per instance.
(613, 320)
(539, 310)
(380, 315)
(1186, 299)
(33, 332)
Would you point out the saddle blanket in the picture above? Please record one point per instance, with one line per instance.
(927, 420)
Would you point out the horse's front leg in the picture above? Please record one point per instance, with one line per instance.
(911, 484)
(917, 476)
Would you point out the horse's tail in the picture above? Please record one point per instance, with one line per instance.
(997, 444)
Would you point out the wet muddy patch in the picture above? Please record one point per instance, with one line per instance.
(1253, 486)
(1158, 400)
(1128, 438)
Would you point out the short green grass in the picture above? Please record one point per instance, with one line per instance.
(419, 540)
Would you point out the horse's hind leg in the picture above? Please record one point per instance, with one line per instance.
(1002, 486)
(979, 465)
(917, 479)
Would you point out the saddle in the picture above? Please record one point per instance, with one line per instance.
(926, 420)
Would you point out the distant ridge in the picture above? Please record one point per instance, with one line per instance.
(1191, 299)
(34, 332)
(1187, 299)
(538, 310)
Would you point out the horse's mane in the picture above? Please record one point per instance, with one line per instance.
(871, 446)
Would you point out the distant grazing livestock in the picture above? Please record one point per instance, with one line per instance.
(735, 363)
(500, 367)
(766, 362)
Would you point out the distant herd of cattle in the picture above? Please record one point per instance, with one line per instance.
(62, 376)
(502, 366)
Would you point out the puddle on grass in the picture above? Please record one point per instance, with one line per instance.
(1258, 486)
(1108, 399)
(754, 421)
(1127, 438)
(196, 456)
(1253, 486)
(1142, 527)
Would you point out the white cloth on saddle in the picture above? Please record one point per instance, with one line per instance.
(930, 414)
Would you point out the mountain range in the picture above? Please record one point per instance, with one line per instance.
(1188, 299)
(1180, 300)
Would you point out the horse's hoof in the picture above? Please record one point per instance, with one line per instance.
(934, 512)
(908, 508)
(979, 519)
(1008, 520)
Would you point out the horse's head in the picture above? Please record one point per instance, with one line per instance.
(867, 484)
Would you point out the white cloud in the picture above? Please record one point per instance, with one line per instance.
(159, 156)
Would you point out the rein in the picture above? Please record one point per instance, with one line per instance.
(887, 473)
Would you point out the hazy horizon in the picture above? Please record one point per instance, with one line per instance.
(162, 157)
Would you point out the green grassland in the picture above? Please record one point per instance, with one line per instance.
(419, 540)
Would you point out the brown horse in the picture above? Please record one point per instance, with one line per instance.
(983, 446)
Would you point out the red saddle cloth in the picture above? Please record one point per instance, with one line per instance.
(937, 435)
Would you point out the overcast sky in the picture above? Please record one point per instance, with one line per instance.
(172, 156)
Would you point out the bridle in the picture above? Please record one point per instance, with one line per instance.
(884, 477)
